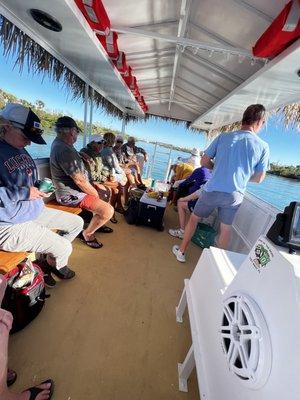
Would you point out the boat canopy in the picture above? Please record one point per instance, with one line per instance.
(184, 60)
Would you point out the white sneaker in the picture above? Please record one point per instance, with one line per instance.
(180, 256)
(176, 233)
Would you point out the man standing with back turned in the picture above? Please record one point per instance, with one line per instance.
(235, 158)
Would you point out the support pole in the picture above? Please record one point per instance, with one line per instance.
(91, 114)
(86, 100)
(123, 125)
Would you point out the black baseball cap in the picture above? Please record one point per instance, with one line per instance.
(66, 122)
(25, 119)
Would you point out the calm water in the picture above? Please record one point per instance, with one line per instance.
(274, 190)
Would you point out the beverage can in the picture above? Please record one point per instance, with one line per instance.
(45, 185)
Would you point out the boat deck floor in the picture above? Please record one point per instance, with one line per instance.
(111, 332)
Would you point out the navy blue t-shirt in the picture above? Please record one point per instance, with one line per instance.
(17, 174)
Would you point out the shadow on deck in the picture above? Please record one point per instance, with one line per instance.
(111, 332)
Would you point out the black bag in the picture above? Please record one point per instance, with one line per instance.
(27, 302)
(151, 215)
(132, 212)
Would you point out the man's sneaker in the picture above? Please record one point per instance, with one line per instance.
(180, 256)
(48, 278)
(50, 282)
(176, 233)
(63, 273)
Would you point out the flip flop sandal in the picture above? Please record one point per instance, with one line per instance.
(114, 220)
(11, 377)
(105, 229)
(93, 244)
(34, 391)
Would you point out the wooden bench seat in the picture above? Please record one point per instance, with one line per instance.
(9, 260)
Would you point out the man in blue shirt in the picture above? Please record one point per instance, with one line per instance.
(25, 223)
(235, 158)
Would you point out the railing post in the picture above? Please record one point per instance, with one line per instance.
(86, 99)
(153, 160)
(168, 167)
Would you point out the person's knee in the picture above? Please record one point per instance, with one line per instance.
(78, 222)
(105, 211)
(62, 246)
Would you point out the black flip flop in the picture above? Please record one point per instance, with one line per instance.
(105, 229)
(12, 379)
(34, 391)
(90, 243)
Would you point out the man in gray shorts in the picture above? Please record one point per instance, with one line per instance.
(235, 158)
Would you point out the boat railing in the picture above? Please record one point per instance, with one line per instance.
(159, 163)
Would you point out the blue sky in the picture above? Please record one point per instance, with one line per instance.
(284, 143)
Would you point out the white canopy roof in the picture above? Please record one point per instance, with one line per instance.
(192, 58)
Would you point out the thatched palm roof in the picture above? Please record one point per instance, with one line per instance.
(30, 54)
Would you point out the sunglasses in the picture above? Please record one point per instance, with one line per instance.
(119, 141)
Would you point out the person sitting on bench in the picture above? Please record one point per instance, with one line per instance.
(100, 175)
(25, 222)
(71, 180)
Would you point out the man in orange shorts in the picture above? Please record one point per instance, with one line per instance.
(71, 180)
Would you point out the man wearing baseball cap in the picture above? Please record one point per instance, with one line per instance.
(71, 180)
(25, 223)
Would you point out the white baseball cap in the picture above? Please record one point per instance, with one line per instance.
(195, 152)
(25, 119)
(96, 138)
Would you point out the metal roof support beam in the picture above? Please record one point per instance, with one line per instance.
(161, 24)
(199, 88)
(151, 67)
(217, 69)
(184, 42)
(182, 26)
(192, 95)
(254, 10)
(195, 107)
(212, 35)
(206, 79)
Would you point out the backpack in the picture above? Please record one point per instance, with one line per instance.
(24, 300)
(132, 212)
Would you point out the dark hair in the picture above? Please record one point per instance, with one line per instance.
(109, 138)
(253, 113)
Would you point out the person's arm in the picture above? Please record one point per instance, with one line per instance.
(20, 193)
(141, 150)
(84, 185)
(262, 166)
(116, 164)
(258, 177)
(210, 153)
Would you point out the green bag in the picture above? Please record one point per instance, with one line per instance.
(204, 236)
